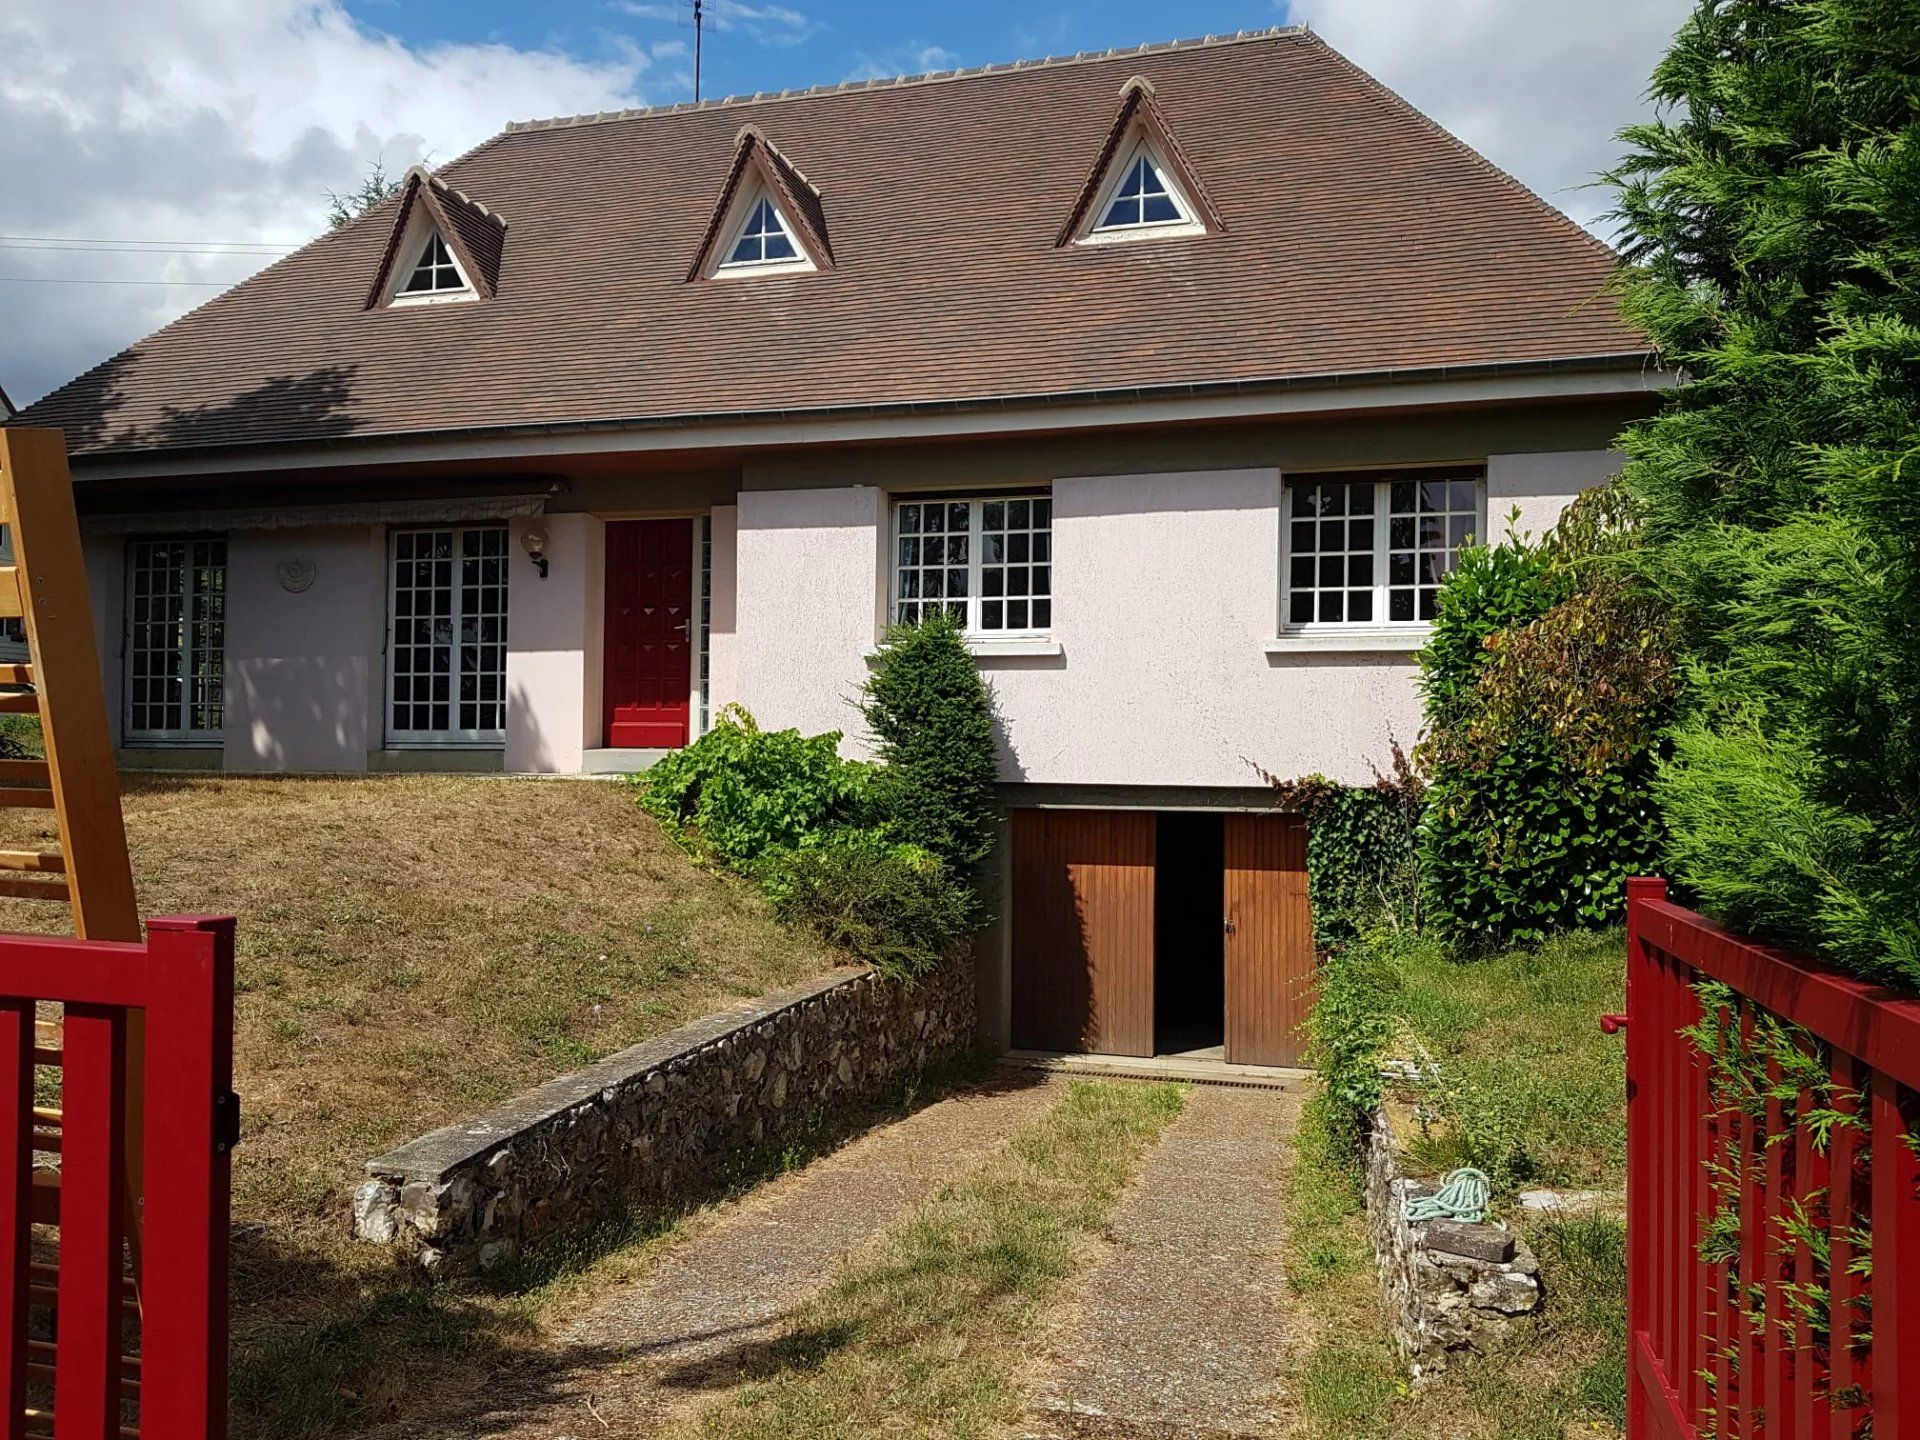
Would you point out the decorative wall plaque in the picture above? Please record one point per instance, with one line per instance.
(295, 575)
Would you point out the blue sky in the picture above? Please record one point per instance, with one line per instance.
(777, 46)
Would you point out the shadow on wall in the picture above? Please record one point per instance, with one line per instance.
(304, 713)
(528, 748)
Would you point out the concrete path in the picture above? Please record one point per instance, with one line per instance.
(699, 1320)
(1179, 1330)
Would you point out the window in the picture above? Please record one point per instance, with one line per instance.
(987, 562)
(1373, 549)
(447, 646)
(436, 273)
(764, 240)
(1142, 199)
(176, 638)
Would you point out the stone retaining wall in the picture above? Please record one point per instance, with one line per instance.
(1450, 1287)
(656, 1119)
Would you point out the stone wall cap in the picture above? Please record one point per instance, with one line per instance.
(432, 1156)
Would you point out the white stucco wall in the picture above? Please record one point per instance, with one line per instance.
(1166, 588)
(553, 644)
(1540, 486)
(809, 603)
(105, 557)
(304, 681)
(723, 660)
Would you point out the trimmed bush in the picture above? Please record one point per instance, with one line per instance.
(932, 719)
(894, 906)
(739, 792)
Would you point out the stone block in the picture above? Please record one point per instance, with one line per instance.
(1488, 1243)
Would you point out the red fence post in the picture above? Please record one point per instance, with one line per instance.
(16, 1194)
(1642, 1002)
(189, 1172)
(1896, 1268)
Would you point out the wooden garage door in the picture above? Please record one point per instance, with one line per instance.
(1082, 910)
(1270, 957)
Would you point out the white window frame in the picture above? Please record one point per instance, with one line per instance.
(976, 557)
(185, 733)
(1189, 223)
(724, 266)
(397, 294)
(1382, 587)
(399, 738)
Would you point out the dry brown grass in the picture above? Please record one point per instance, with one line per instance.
(412, 949)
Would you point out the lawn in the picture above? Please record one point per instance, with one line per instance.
(1534, 1093)
(412, 949)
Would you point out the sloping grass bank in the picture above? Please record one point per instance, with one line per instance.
(411, 950)
(1535, 1094)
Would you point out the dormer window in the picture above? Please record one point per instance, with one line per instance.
(436, 273)
(764, 242)
(1142, 184)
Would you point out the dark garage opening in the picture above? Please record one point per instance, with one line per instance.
(1189, 934)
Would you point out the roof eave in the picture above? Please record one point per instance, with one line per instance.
(1614, 373)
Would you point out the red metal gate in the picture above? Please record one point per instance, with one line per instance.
(1773, 1271)
(89, 1350)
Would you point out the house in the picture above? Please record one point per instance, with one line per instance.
(1179, 374)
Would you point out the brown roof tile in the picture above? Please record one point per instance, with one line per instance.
(1357, 237)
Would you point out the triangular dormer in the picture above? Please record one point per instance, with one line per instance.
(768, 217)
(444, 246)
(1141, 183)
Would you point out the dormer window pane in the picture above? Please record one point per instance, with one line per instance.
(764, 239)
(436, 271)
(1143, 199)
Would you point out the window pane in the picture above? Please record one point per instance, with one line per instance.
(1159, 210)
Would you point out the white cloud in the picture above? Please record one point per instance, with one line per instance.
(1538, 86)
(767, 24)
(223, 120)
(912, 58)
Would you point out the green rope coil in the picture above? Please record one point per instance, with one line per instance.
(1462, 1195)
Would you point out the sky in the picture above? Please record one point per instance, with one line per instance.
(151, 153)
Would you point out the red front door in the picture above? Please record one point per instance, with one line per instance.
(649, 633)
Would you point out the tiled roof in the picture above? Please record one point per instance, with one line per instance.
(1356, 236)
(475, 234)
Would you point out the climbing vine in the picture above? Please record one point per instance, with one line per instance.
(1757, 1061)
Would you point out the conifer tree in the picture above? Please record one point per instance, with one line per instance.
(1771, 227)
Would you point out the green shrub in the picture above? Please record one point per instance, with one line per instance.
(1363, 857)
(1545, 683)
(740, 792)
(1771, 225)
(1348, 1031)
(894, 906)
(933, 720)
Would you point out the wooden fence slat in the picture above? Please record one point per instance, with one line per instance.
(86, 1395)
(16, 1185)
(1810, 1376)
(1844, 1370)
(1896, 1268)
(1775, 1400)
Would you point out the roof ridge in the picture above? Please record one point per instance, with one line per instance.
(932, 77)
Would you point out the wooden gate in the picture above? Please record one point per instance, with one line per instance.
(135, 1354)
(1269, 941)
(1082, 912)
(1773, 1205)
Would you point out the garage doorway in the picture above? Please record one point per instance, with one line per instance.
(1142, 933)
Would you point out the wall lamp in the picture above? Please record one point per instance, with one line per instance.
(534, 541)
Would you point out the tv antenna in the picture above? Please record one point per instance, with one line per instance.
(698, 28)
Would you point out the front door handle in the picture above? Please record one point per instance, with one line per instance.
(1230, 927)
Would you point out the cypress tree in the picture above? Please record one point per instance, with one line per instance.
(1771, 231)
(930, 714)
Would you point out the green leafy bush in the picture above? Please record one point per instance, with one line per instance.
(894, 906)
(931, 715)
(1771, 226)
(740, 792)
(1348, 1032)
(1363, 855)
(1545, 682)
